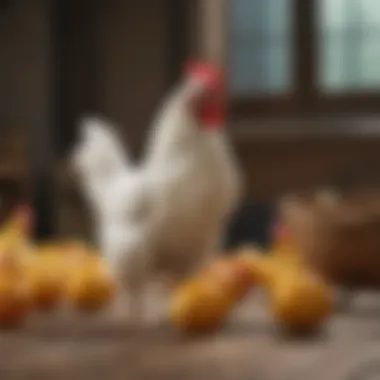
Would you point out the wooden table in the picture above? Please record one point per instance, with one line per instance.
(65, 346)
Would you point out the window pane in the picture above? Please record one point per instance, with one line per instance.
(260, 47)
(370, 60)
(333, 60)
(371, 12)
(333, 14)
(349, 45)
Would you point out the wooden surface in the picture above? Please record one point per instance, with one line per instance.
(65, 346)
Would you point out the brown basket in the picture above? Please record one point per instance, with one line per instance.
(339, 234)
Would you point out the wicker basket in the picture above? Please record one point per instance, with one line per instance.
(338, 234)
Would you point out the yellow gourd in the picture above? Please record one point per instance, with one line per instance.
(90, 286)
(203, 303)
(199, 307)
(45, 276)
(298, 297)
(14, 292)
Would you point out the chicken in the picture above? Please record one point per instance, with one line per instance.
(193, 169)
(167, 214)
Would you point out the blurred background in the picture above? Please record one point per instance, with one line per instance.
(304, 92)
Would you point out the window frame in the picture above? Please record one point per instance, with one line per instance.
(212, 41)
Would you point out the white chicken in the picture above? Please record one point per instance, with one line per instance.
(165, 216)
(193, 170)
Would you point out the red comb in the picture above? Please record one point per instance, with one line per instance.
(210, 75)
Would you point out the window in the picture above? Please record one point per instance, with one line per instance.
(261, 47)
(304, 56)
(349, 45)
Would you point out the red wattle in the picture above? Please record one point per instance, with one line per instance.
(213, 117)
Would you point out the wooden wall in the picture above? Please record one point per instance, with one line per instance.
(135, 55)
(274, 167)
(114, 62)
(25, 107)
